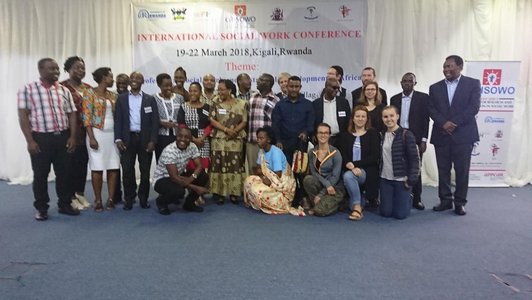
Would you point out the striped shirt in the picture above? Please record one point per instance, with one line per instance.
(48, 106)
(260, 113)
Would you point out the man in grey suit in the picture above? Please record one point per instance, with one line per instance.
(136, 128)
(454, 103)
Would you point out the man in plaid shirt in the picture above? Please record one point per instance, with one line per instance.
(260, 107)
(47, 117)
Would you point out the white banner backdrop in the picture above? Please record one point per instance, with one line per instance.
(499, 81)
(225, 39)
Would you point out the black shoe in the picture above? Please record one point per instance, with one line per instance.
(218, 199)
(164, 211)
(144, 203)
(41, 216)
(418, 205)
(68, 210)
(443, 206)
(128, 205)
(459, 210)
(234, 199)
(372, 204)
(193, 208)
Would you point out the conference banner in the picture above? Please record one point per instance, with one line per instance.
(227, 38)
(499, 81)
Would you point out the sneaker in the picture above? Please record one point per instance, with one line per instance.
(82, 200)
(68, 210)
(75, 204)
(41, 216)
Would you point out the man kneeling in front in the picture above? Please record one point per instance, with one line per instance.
(172, 178)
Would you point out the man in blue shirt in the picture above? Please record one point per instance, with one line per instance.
(293, 123)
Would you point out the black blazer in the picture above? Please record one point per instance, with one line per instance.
(149, 119)
(462, 112)
(369, 146)
(356, 96)
(343, 113)
(418, 116)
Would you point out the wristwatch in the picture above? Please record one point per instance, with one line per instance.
(194, 176)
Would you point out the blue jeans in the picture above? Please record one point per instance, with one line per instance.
(352, 185)
(395, 199)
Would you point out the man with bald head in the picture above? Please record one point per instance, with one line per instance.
(243, 81)
(209, 95)
(332, 109)
(136, 128)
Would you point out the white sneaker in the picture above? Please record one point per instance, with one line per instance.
(76, 205)
(82, 200)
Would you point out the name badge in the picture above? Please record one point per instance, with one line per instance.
(222, 111)
(205, 112)
(269, 103)
(147, 109)
(341, 114)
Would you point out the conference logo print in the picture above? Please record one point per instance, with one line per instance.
(151, 14)
(344, 10)
(241, 16)
(311, 15)
(344, 14)
(491, 83)
(179, 14)
(277, 15)
(492, 77)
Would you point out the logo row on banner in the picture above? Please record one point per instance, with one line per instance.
(238, 13)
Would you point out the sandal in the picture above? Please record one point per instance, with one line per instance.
(356, 215)
(110, 205)
(98, 207)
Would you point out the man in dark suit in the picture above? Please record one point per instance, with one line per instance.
(332, 109)
(136, 127)
(454, 103)
(414, 116)
(368, 75)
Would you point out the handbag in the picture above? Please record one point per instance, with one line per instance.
(300, 161)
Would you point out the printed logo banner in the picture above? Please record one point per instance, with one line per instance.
(225, 39)
(498, 92)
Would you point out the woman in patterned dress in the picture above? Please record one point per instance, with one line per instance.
(229, 118)
(98, 106)
(194, 114)
(272, 187)
(168, 105)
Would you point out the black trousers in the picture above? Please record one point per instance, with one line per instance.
(77, 168)
(170, 192)
(53, 152)
(459, 156)
(416, 189)
(127, 159)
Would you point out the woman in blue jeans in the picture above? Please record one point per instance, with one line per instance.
(399, 167)
(360, 149)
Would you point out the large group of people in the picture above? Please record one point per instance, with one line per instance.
(276, 153)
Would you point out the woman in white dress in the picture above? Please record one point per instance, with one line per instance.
(98, 106)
